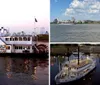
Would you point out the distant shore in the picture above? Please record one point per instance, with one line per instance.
(76, 23)
(73, 21)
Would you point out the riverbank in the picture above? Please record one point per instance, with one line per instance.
(64, 50)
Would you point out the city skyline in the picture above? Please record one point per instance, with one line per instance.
(19, 15)
(80, 9)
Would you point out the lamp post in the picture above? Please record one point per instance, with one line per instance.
(78, 54)
(79, 45)
(68, 53)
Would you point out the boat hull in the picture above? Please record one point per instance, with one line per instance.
(75, 79)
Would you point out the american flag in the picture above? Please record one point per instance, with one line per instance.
(36, 20)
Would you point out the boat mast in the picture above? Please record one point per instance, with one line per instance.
(68, 53)
(78, 54)
(59, 64)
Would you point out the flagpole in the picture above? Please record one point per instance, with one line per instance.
(34, 25)
(35, 20)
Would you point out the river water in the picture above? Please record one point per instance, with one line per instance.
(23, 71)
(93, 78)
(75, 33)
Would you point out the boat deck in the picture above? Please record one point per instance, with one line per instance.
(74, 63)
(73, 71)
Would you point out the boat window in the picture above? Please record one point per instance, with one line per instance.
(28, 38)
(10, 39)
(16, 47)
(13, 39)
(20, 38)
(28, 47)
(20, 47)
(7, 39)
(16, 39)
(24, 38)
(8, 47)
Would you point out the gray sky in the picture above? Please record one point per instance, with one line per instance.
(18, 15)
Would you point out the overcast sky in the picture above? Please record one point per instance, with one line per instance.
(18, 15)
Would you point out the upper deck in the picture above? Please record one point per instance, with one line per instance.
(23, 39)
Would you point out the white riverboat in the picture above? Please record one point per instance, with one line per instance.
(21, 43)
(72, 71)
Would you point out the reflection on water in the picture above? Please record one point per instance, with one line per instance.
(91, 79)
(23, 71)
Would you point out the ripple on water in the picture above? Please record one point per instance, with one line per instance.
(75, 33)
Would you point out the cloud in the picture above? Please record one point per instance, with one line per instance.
(86, 8)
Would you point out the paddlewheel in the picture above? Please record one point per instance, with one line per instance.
(42, 48)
